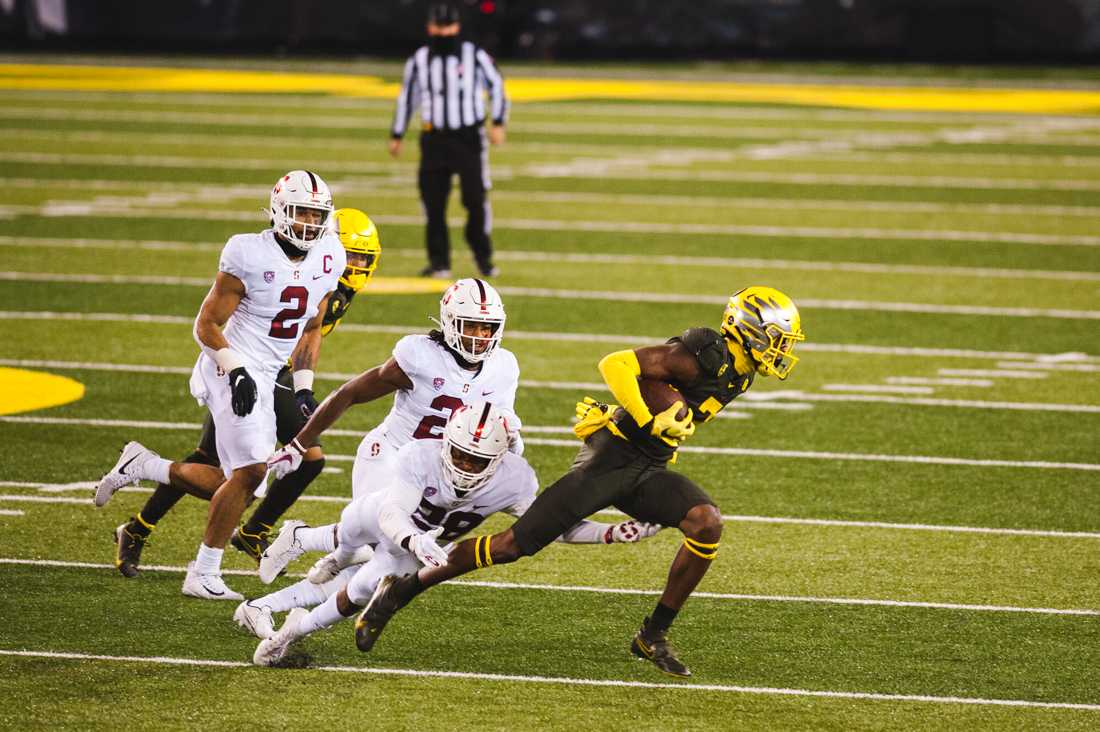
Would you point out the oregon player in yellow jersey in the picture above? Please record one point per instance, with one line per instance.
(293, 406)
(624, 458)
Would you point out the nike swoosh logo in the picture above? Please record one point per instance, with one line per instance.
(317, 277)
(283, 459)
(212, 592)
(123, 468)
(486, 393)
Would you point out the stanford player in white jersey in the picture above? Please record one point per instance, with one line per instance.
(436, 492)
(266, 306)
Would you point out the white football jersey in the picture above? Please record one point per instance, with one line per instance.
(441, 386)
(511, 489)
(281, 296)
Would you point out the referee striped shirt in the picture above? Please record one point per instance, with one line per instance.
(449, 90)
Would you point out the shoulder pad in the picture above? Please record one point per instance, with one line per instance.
(708, 346)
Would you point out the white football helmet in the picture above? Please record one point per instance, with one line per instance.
(295, 194)
(477, 436)
(464, 304)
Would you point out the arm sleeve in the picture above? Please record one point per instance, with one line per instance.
(499, 105)
(586, 532)
(621, 371)
(394, 515)
(406, 100)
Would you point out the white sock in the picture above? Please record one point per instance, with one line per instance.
(157, 469)
(323, 616)
(208, 561)
(299, 594)
(318, 538)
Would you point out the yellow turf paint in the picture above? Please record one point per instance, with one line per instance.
(25, 391)
(521, 89)
(405, 286)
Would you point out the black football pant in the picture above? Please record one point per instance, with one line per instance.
(444, 153)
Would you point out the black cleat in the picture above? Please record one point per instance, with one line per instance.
(130, 543)
(254, 545)
(652, 645)
(384, 603)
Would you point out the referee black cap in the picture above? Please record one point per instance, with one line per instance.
(443, 14)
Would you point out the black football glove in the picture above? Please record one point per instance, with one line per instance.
(244, 391)
(307, 403)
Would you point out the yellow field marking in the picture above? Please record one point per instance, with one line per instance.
(405, 286)
(521, 89)
(25, 391)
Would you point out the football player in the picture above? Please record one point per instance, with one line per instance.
(363, 248)
(266, 306)
(624, 462)
(437, 494)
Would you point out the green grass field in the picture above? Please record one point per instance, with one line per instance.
(912, 519)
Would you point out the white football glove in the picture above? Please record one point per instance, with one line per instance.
(629, 532)
(286, 459)
(426, 549)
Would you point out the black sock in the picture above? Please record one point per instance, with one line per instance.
(662, 617)
(408, 587)
(160, 503)
(281, 495)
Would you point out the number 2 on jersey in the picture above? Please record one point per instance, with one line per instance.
(297, 295)
(426, 429)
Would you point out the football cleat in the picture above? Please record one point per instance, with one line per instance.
(128, 554)
(652, 645)
(284, 550)
(126, 471)
(207, 586)
(329, 566)
(252, 544)
(272, 650)
(383, 605)
(256, 619)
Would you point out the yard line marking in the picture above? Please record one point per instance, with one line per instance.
(995, 373)
(589, 258)
(1079, 367)
(627, 591)
(617, 296)
(564, 680)
(532, 335)
(10, 512)
(939, 381)
(879, 388)
(961, 403)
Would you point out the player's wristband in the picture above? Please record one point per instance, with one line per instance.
(303, 379)
(227, 359)
(609, 535)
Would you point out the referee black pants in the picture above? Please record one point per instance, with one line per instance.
(443, 153)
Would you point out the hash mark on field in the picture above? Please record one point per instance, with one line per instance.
(865, 602)
(564, 680)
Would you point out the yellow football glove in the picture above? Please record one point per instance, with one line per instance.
(671, 430)
(592, 416)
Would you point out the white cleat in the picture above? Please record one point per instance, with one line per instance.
(284, 550)
(126, 471)
(329, 566)
(256, 619)
(207, 586)
(272, 650)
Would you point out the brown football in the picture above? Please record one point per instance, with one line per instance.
(660, 395)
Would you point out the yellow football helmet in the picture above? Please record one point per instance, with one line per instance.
(359, 236)
(766, 324)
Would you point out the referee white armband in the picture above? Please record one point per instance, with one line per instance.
(227, 359)
(303, 379)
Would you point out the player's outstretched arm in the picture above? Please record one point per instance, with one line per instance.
(594, 532)
(367, 386)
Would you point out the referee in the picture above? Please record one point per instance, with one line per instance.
(445, 80)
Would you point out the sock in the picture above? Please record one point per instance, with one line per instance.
(157, 469)
(282, 494)
(208, 561)
(662, 617)
(317, 538)
(140, 526)
(300, 594)
(323, 616)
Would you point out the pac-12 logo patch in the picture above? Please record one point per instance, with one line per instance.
(429, 491)
(437, 383)
(269, 277)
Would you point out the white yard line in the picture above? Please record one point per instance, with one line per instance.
(1073, 367)
(10, 512)
(920, 380)
(553, 442)
(994, 373)
(845, 348)
(613, 295)
(878, 389)
(626, 591)
(566, 681)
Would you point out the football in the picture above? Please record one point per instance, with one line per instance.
(659, 396)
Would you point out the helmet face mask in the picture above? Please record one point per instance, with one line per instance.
(359, 236)
(300, 208)
(471, 315)
(474, 442)
(765, 323)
